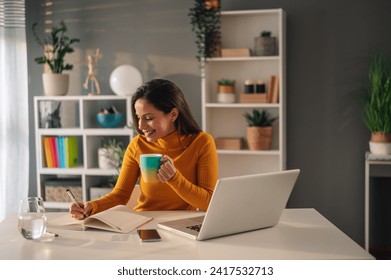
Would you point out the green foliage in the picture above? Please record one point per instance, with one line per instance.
(377, 96)
(226, 82)
(205, 21)
(259, 118)
(56, 45)
(266, 34)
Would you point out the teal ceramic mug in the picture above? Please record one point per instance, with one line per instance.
(149, 165)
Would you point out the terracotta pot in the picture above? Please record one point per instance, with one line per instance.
(380, 143)
(259, 138)
(226, 89)
(380, 137)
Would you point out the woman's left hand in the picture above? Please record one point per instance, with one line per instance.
(167, 169)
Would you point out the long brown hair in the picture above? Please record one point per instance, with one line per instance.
(164, 95)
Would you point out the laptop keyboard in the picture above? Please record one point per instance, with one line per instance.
(195, 227)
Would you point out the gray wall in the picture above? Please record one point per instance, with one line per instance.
(327, 44)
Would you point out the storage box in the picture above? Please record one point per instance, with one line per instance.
(229, 143)
(55, 190)
(235, 52)
(253, 98)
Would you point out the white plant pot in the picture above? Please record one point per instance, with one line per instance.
(107, 159)
(379, 148)
(223, 97)
(55, 84)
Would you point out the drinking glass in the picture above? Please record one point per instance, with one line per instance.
(32, 218)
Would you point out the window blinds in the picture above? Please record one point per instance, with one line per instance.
(12, 13)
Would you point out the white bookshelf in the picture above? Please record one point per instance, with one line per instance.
(78, 118)
(238, 30)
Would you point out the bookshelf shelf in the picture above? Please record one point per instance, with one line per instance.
(77, 118)
(225, 120)
(242, 105)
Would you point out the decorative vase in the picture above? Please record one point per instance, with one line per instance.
(264, 46)
(55, 84)
(223, 97)
(380, 143)
(259, 138)
(108, 158)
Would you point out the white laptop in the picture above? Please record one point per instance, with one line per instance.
(240, 204)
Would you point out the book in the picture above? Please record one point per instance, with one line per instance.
(53, 153)
(235, 52)
(62, 151)
(273, 92)
(48, 158)
(253, 98)
(229, 143)
(119, 218)
(58, 152)
(71, 151)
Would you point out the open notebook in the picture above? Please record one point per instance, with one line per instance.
(240, 204)
(119, 218)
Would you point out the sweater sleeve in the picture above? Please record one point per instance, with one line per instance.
(199, 195)
(125, 184)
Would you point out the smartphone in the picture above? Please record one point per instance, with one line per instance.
(148, 235)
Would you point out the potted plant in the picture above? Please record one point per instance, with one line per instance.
(110, 155)
(377, 104)
(205, 21)
(259, 129)
(265, 44)
(226, 91)
(55, 46)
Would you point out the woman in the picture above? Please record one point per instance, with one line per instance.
(189, 169)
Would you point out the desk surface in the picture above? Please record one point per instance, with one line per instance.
(300, 234)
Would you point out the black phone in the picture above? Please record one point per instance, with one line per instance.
(148, 235)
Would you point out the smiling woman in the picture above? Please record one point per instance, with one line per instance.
(188, 171)
(153, 123)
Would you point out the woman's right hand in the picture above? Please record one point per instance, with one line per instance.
(80, 213)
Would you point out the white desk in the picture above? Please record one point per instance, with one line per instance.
(301, 234)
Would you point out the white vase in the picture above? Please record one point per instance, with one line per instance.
(379, 148)
(55, 84)
(107, 158)
(224, 97)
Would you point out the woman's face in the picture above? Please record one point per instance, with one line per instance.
(153, 123)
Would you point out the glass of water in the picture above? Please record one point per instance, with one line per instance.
(32, 218)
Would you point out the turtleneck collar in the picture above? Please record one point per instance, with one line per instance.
(174, 140)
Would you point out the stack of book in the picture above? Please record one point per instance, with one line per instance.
(273, 92)
(60, 151)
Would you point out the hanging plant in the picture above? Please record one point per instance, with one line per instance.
(205, 21)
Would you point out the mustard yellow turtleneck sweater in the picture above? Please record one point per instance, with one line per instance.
(195, 159)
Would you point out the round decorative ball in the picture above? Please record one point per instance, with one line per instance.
(125, 79)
